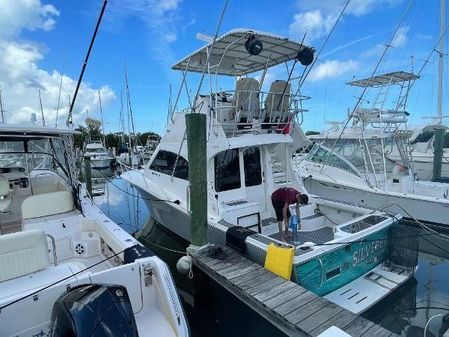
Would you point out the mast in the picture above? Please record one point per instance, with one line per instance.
(103, 133)
(59, 101)
(2, 111)
(130, 110)
(441, 52)
(438, 145)
(42, 110)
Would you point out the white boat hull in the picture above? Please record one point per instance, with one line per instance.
(432, 210)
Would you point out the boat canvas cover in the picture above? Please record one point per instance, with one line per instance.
(230, 57)
(385, 79)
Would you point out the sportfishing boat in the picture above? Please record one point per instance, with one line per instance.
(341, 251)
(100, 158)
(66, 268)
(370, 163)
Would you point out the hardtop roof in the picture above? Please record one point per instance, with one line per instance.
(385, 79)
(230, 57)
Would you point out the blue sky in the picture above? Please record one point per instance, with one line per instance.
(42, 40)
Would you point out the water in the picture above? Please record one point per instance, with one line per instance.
(213, 311)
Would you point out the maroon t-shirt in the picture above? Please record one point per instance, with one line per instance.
(285, 194)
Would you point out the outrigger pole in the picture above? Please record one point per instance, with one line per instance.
(69, 117)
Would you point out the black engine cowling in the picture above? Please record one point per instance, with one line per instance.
(93, 310)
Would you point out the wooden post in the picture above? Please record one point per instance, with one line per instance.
(438, 149)
(88, 174)
(197, 151)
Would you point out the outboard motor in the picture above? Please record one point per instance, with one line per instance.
(93, 310)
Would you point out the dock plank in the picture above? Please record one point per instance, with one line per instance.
(340, 320)
(358, 326)
(295, 303)
(280, 289)
(313, 321)
(288, 306)
(304, 311)
(378, 331)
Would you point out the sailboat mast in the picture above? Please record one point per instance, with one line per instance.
(103, 133)
(441, 51)
(42, 109)
(1, 107)
(130, 111)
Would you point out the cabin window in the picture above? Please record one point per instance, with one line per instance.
(165, 161)
(182, 169)
(227, 170)
(253, 169)
(332, 273)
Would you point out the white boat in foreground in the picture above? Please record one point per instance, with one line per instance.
(251, 137)
(64, 266)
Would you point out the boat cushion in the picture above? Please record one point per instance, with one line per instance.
(23, 253)
(45, 204)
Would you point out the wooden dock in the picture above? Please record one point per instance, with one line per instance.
(288, 306)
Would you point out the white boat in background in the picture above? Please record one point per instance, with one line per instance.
(369, 163)
(64, 266)
(341, 250)
(150, 147)
(100, 158)
(422, 150)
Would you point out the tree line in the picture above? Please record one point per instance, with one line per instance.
(117, 140)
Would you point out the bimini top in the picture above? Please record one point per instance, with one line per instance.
(230, 54)
(27, 130)
(385, 79)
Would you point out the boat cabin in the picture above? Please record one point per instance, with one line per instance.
(37, 177)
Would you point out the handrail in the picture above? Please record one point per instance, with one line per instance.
(53, 247)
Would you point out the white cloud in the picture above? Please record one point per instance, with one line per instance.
(161, 18)
(355, 7)
(317, 17)
(16, 15)
(314, 24)
(400, 38)
(21, 78)
(332, 69)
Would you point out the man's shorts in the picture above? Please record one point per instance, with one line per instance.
(278, 206)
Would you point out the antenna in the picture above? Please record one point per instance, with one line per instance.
(69, 117)
(42, 110)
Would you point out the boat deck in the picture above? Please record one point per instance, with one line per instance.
(288, 306)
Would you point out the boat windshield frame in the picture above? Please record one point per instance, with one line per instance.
(64, 162)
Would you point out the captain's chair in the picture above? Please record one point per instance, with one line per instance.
(5, 195)
(245, 100)
(275, 102)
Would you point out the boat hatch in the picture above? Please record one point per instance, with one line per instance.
(362, 224)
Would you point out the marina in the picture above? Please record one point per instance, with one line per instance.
(216, 209)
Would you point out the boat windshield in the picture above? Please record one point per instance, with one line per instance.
(321, 153)
(375, 155)
(32, 154)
